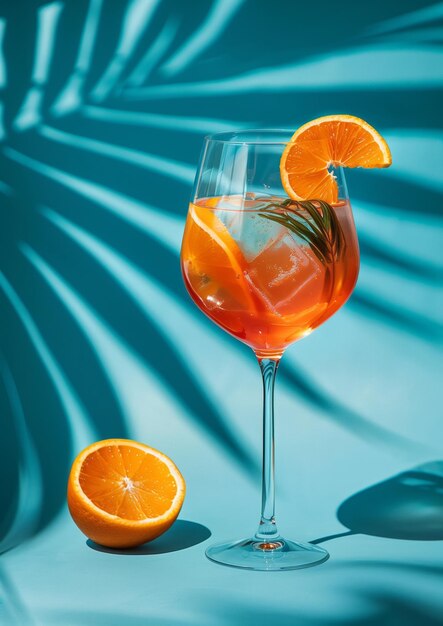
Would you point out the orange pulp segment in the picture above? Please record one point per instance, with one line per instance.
(123, 493)
(327, 141)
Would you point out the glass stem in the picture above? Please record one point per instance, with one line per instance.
(267, 530)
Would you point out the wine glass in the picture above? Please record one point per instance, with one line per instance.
(268, 270)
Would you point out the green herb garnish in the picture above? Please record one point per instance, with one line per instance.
(314, 221)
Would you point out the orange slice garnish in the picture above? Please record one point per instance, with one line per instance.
(329, 141)
(122, 493)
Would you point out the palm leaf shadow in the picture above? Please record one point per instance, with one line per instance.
(67, 342)
(105, 618)
(9, 452)
(106, 295)
(68, 43)
(166, 261)
(270, 112)
(411, 322)
(122, 176)
(400, 194)
(42, 412)
(176, 144)
(393, 260)
(61, 332)
(382, 607)
(143, 337)
(21, 26)
(399, 317)
(338, 412)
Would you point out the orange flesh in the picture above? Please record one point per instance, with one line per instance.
(128, 482)
(210, 245)
(305, 162)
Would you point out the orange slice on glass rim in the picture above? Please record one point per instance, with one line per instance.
(122, 493)
(328, 141)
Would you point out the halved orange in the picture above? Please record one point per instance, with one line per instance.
(329, 141)
(122, 493)
(211, 257)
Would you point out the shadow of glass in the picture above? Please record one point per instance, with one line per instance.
(183, 534)
(406, 506)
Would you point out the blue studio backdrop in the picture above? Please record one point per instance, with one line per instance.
(103, 108)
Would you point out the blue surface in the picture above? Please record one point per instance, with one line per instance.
(103, 107)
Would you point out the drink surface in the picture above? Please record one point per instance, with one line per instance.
(259, 280)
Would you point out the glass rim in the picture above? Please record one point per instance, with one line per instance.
(234, 137)
(341, 202)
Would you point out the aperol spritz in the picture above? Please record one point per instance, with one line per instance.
(269, 253)
(258, 280)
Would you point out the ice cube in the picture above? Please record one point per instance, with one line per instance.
(285, 273)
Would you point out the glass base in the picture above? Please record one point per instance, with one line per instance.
(261, 555)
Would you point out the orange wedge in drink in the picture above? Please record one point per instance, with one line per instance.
(214, 261)
(122, 493)
(324, 142)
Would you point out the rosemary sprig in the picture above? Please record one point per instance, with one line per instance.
(314, 221)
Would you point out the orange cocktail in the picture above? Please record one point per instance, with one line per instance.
(269, 253)
(258, 280)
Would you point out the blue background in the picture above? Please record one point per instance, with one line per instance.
(103, 108)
